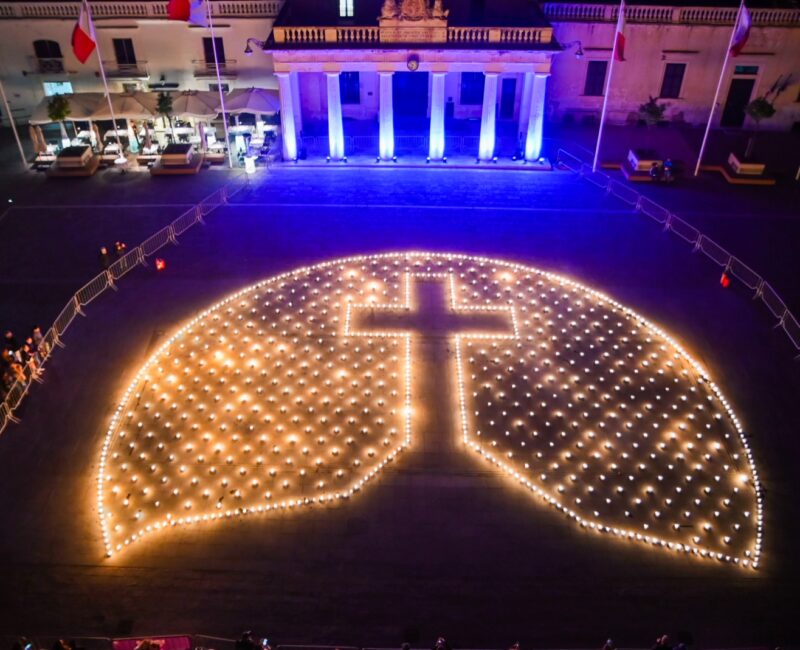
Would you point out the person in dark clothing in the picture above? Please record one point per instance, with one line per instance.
(11, 342)
(105, 258)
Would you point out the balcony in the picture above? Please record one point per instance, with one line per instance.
(205, 70)
(667, 14)
(521, 37)
(120, 71)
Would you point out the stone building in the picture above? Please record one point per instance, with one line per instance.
(386, 77)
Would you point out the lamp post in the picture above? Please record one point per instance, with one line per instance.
(248, 51)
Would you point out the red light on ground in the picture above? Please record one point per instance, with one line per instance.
(160, 264)
(725, 281)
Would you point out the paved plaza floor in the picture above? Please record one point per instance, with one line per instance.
(448, 550)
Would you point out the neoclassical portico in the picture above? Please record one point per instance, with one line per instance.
(416, 37)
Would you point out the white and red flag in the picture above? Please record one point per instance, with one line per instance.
(190, 11)
(742, 32)
(619, 37)
(84, 40)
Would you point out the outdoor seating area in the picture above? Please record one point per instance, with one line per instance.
(134, 130)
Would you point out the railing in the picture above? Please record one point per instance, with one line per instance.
(668, 14)
(99, 284)
(204, 68)
(142, 9)
(136, 70)
(522, 36)
(733, 267)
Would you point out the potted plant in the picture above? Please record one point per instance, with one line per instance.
(164, 108)
(651, 112)
(644, 154)
(761, 108)
(58, 110)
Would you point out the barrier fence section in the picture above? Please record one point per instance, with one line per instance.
(95, 287)
(732, 266)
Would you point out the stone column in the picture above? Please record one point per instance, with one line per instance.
(525, 106)
(533, 141)
(287, 116)
(386, 146)
(436, 151)
(294, 77)
(488, 116)
(335, 128)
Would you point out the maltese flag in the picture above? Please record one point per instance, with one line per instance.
(84, 40)
(190, 11)
(619, 37)
(742, 32)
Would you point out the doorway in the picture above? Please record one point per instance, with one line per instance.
(738, 98)
(409, 97)
(508, 93)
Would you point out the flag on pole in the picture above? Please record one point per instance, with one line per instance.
(84, 39)
(619, 38)
(742, 32)
(190, 11)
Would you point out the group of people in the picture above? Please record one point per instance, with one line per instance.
(663, 172)
(120, 248)
(17, 355)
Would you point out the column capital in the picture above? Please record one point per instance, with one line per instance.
(283, 74)
(541, 75)
(332, 74)
(487, 73)
(385, 73)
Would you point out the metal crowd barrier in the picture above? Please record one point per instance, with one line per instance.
(106, 280)
(732, 266)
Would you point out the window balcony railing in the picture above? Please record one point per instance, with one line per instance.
(667, 14)
(52, 65)
(115, 70)
(205, 69)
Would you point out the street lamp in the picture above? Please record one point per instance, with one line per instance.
(248, 51)
(578, 48)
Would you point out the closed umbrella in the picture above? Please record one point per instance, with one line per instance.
(201, 130)
(40, 136)
(147, 142)
(37, 147)
(253, 100)
(200, 105)
(97, 135)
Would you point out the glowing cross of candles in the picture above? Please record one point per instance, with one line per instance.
(432, 322)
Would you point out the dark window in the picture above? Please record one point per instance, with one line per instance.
(749, 70)
(123, 49)
(673, 80)
(348, 85)
(47, 50)
(208, 51)
(595, 78)
(472, 87)
(215, 88)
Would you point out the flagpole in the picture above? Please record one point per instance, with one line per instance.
(719, 87)
(596, 160)
(13, 125)
(105, 82)
(219, 84)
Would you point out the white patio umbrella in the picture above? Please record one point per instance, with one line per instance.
(200, 105)
(81, 108)
(128, 106)
(252, 100)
